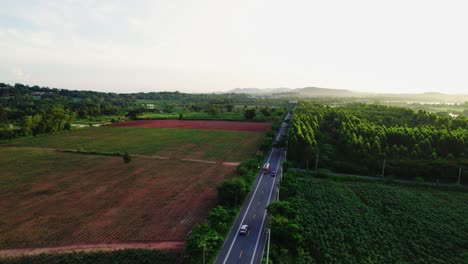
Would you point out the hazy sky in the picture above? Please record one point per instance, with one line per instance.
(217, 45)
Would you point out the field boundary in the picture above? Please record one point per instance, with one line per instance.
(160, 245)
(116, 154)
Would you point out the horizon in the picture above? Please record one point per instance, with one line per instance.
(241, 88)
(403, 47)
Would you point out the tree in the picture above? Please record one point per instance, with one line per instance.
(127, 158)
(231, 192)
(133, 114)
(249, 114)
(202, 242)
(220, 219)
(265, 111)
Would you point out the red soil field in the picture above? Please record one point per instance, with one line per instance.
(199, 124)
(96, 199)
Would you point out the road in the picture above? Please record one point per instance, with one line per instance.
(249, 248)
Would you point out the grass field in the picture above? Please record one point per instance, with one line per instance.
(178, 143)
(231, 116)
(54, 198)
(368, 222)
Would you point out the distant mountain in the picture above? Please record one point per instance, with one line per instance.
(325, 92)
(259, 91)
(307, 91)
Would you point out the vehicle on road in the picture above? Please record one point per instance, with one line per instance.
(266, 167)
(244, 230)
(273, 173)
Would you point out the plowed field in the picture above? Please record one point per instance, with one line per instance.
(52, 198)
(199, 124)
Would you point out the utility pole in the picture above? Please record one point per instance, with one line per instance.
(268, 246)
(236, 198)
(204, 249)
(383, 168)
(316, 162)
(277, 193)
(459, 175)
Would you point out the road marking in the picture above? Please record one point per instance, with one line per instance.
(254, 216)
(242, 252)
(263, 220)
(245, 214)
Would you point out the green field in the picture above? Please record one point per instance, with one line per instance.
(230, 116)
(99, 120)
(178, 143)
(367, 222)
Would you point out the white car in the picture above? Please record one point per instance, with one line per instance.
(244, 230)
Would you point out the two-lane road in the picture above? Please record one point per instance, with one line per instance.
(249, 248)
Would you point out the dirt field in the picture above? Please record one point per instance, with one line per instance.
(199, 124)
(50, 198)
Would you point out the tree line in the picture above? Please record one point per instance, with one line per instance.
(31, 110)
(357, 138)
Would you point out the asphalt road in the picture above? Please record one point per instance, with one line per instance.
(249, 248)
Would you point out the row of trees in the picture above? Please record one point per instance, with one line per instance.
(356, 139)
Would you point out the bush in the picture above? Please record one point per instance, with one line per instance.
(126, 157)
(322, 173)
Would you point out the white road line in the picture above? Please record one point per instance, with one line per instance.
(245, 214)
(264, 215)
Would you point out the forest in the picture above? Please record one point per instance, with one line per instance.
(358, 138)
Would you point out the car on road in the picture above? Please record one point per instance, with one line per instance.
(273, 173)
(244, 230)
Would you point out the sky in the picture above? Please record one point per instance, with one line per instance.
(398, 46)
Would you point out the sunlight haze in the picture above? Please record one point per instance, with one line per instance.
(214, 46)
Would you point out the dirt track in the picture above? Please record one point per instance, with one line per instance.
(167, 245)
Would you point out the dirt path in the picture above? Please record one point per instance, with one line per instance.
(167, 245)
(226, 163)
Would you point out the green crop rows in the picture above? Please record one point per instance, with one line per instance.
(367, 222)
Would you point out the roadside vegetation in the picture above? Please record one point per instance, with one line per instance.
(207, 238)
(324, 220)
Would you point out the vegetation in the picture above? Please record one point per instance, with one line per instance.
(180, 143)
(114, 257)
(348, 221)
(26, 110)
(356, 138)
(126, 157)
(206, 238)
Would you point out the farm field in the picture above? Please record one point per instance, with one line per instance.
(53, 198)
(367, 222)
(177, 143)
(199, 124)
(233, 116)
